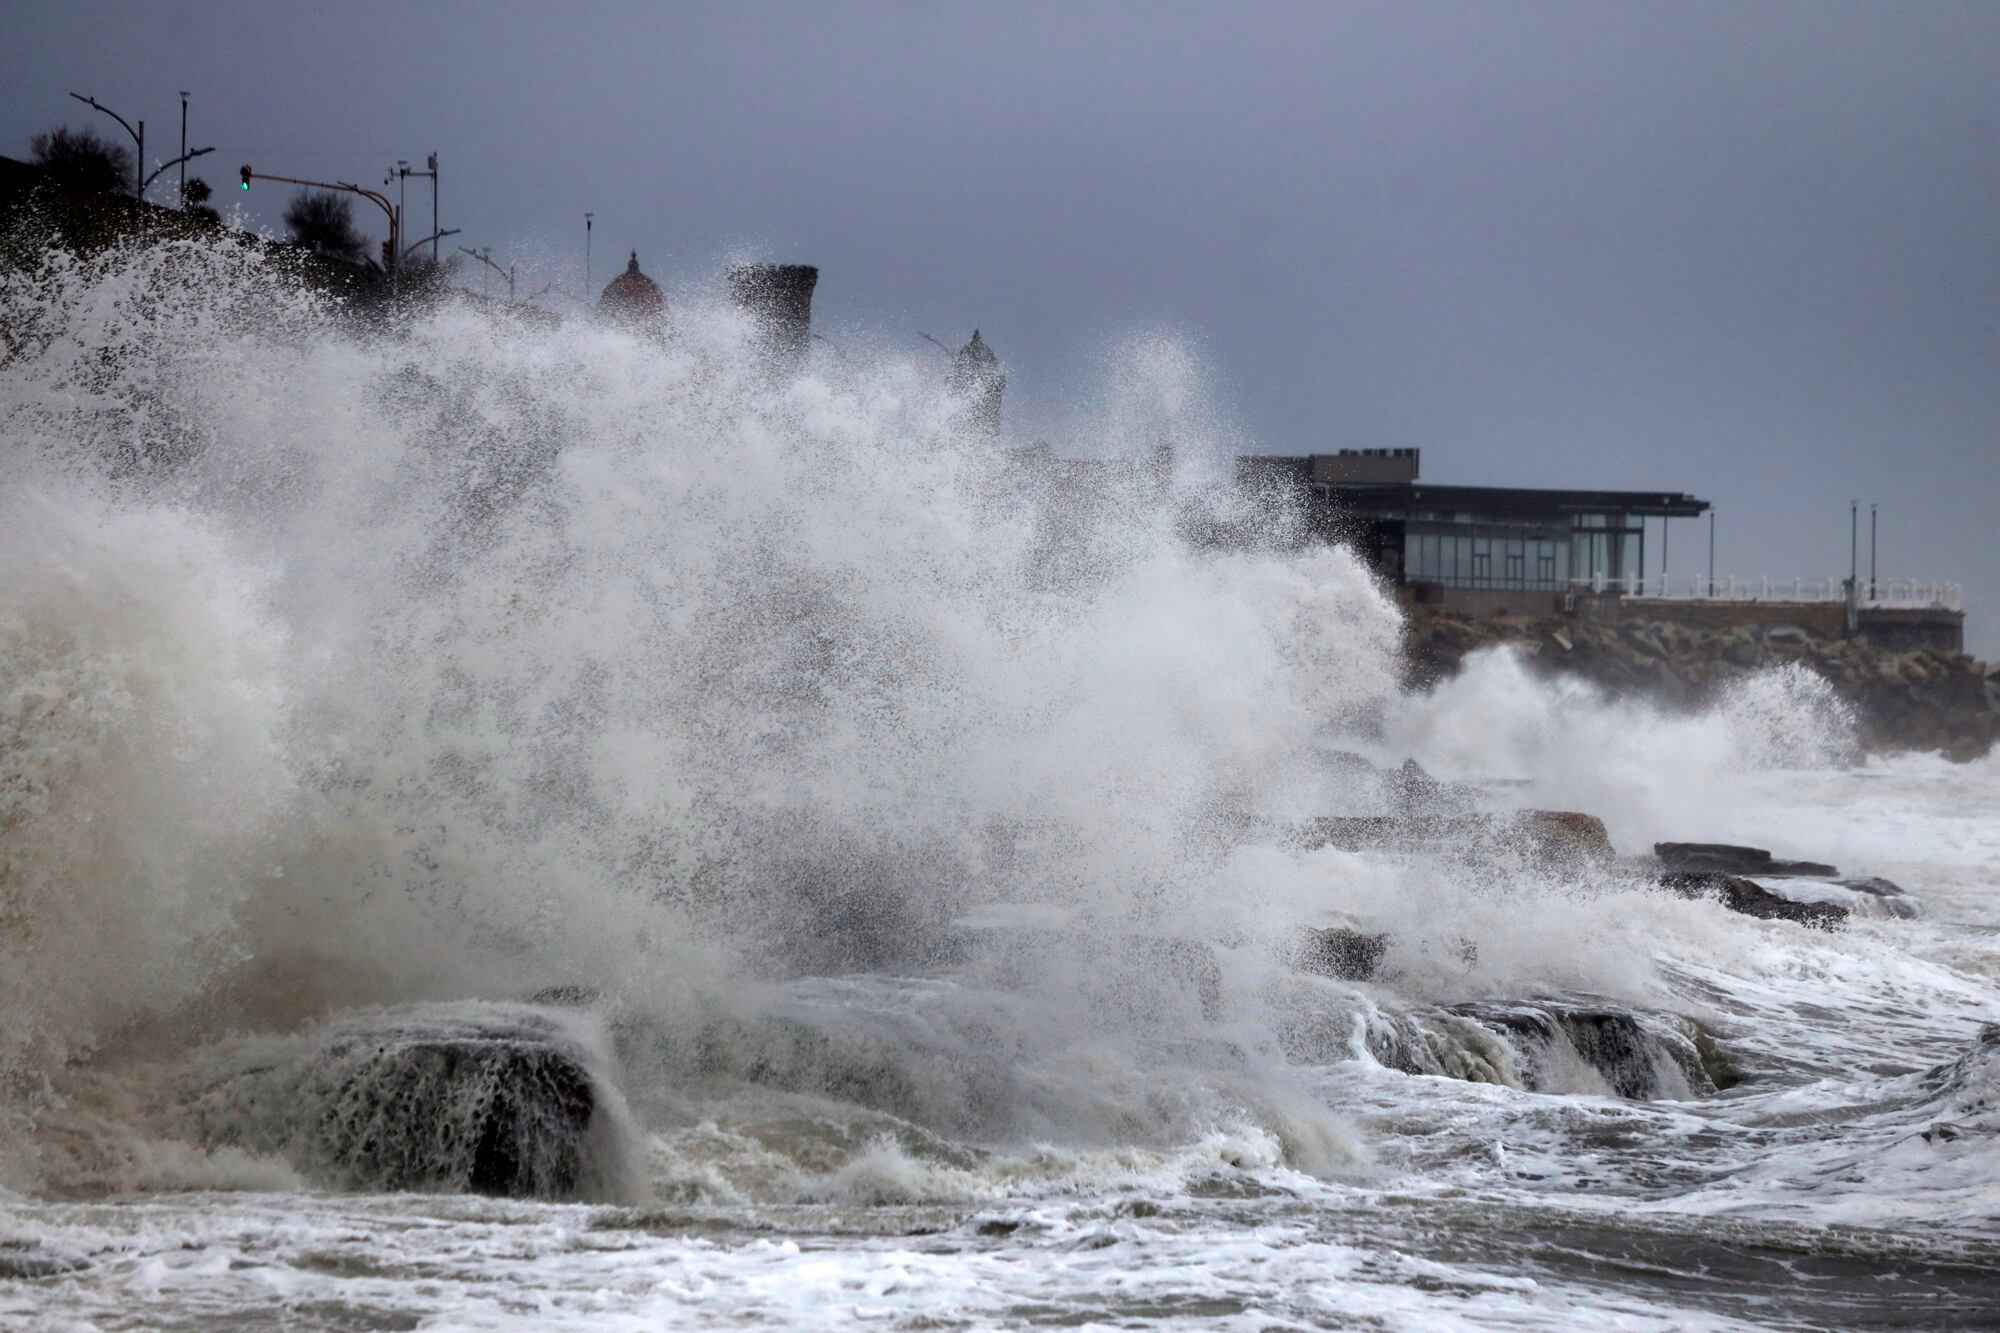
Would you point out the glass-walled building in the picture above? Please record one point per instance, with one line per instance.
(1472, 536)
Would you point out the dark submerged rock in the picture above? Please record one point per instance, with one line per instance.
(1752, 899)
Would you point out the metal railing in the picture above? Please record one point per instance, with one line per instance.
(1905, 594)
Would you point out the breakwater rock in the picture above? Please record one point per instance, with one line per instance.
(1920, 700)
(508, 1100)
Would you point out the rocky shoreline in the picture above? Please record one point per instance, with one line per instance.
(1923, 700)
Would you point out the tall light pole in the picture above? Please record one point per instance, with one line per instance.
(1871, 550)
(400, 173)
(183, 201)
(403, 173)
(587, 219)
(138, 139)
(1711, 550)
(1853, 543)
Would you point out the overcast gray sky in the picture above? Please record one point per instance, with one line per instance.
(1750, 251)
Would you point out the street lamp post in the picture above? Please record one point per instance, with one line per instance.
(587, 219)
(404, 172)
(138, 138)
(184, 149)
(1871, 550)
(180, 162)
(430, 240)
(1711, 550)
(486, 257)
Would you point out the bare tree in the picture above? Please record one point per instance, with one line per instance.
(324, 221)
(79, 160)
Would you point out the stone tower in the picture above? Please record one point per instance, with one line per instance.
(779, 298)
(977, 383)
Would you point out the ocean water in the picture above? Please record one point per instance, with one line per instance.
(892, 843)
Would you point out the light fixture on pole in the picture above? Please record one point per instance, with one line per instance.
(403, 173)
(138, 140)
(486, 257)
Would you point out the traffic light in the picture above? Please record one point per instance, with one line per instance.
(246, 177)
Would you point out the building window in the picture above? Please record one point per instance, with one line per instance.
(1517, 569)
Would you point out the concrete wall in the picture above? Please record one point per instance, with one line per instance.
(1914, 629)
(1898, 630)
(1822, 620)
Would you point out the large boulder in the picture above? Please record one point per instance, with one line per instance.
(1729, 859)
(1346, 955)
(467, 1098)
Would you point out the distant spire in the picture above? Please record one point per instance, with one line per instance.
(633, 267)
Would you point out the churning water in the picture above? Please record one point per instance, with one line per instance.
(517, 824)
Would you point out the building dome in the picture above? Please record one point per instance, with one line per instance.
(633, 296)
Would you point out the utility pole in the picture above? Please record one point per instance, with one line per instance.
(184, 149)
(587, 217)
(1665, 524)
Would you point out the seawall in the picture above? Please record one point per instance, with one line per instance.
(1912, 699)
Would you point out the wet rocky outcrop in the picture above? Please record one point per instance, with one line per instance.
(484, 1099)
(1552, 1045)
(1639, 1056)
(1729, 859)
(1903, 700)
(1753, 899)
(1564, 839)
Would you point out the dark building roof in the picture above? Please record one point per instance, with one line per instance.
(1517, 502)
(1368, 483)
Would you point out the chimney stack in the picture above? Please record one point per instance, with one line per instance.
(779, 298)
